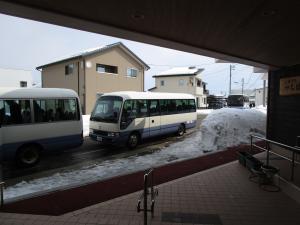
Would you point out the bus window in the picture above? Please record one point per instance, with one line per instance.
(154, 108)
(179, 106)
(163, 107)
(70, 109)
(192, 105)
(142, 109)
(16, 112)
(185, 106)
(172, 107)
(107, 109)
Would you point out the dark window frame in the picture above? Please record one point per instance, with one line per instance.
(69, 69)
(22, 82)
(107, 68)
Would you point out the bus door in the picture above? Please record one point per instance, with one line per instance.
(142, 120)
(154, 118)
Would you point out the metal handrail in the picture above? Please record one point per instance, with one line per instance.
(2, 186)
(148, 184)
(295, 150)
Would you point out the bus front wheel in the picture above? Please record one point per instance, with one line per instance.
(28, 155)
(133, 140)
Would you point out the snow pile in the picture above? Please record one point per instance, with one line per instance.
(204, 111)
(86, 125)
(221, 128)
(230, 127)
(261, 108)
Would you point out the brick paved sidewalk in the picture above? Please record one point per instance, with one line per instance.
(222, 195)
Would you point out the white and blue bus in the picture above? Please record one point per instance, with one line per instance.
(128, 117)
(37, 120)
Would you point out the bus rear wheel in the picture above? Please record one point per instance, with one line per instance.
(133, 140)
(181, 130)
(28, 156)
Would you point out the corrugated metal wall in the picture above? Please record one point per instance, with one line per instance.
(283, 111)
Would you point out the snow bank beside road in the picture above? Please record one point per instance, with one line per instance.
(230, 127)
(86, 125)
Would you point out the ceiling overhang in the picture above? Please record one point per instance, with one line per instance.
(227, 46)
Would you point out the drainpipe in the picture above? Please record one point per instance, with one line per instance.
(41, 76)
(84, 87)
(78, 67)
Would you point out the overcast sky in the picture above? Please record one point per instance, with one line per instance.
(26, 44)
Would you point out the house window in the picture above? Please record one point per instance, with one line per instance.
(162, 83)
(23, 83)
(132, 72)
(69, 69)
(101, 68)
(181, 82)
(198, 83)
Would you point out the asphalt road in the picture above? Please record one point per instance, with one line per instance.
(89, 152)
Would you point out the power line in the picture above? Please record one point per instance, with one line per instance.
(254, 83)
(196, 65)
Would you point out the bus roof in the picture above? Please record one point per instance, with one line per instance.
(37, 93)
(149, 95)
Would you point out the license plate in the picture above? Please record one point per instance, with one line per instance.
(99, 138)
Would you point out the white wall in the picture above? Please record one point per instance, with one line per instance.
(12, 77)
(171, 84)
(259, 96)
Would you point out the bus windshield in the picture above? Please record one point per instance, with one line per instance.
(236, 100)
(107, 109)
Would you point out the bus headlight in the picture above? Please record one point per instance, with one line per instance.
(113, 134)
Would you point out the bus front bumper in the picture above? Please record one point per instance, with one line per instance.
(107, 140)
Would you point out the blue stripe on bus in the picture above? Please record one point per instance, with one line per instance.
(48, 144)
(145, 132)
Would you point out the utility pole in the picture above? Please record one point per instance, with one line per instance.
(264, 93)
(230, 69)
(242, 86)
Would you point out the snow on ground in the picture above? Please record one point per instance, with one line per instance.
(86, 124)
(204, 111)
(220, 129)
(261, 108)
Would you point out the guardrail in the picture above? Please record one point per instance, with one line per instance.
(1, 194)
(148, 184)
(295, 150)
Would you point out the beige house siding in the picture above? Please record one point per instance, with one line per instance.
(108, 82)
(92, 82)
(54, 77)
(172, 85)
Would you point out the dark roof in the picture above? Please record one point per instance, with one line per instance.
(150, 89)
(95, 51)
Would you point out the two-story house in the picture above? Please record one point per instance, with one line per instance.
(182, 80)
(100, 70)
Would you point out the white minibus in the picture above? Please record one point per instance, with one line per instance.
(37, 120)
(128, 117)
